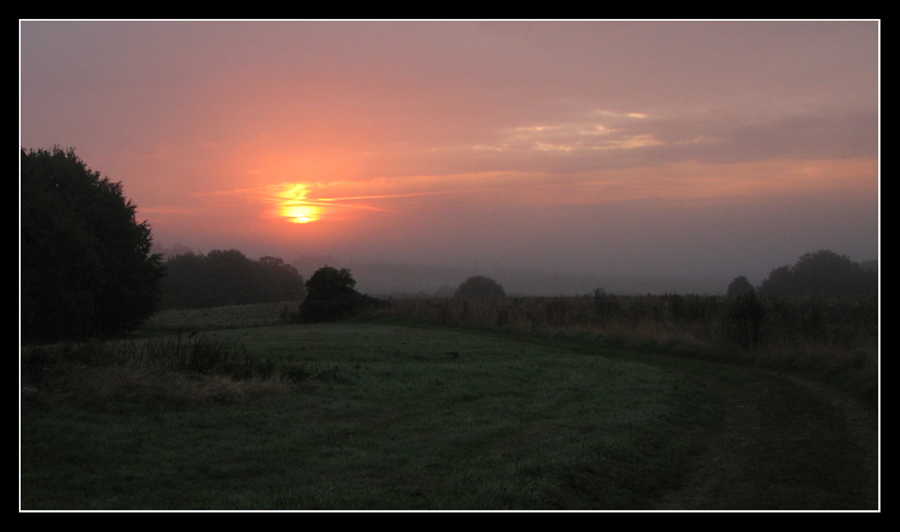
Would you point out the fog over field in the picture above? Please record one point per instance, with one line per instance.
(554, 156)
(400, 280)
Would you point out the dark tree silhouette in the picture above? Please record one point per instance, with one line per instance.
(279, 281)
(778, 283)
(870, 265)
(740, 286)
(823, 273)
(479, 287)
(228, 277)
(331, 296)
(86, 266)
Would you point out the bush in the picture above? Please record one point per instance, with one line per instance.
(479, 287)
(331, 296)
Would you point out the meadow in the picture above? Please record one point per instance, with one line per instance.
(238, 409)
(832, 340)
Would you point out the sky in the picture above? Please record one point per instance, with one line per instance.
(653, 148)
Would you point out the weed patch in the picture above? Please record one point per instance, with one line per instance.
(178, 370)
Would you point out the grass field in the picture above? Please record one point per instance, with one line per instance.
(371, 416)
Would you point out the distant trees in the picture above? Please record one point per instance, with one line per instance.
(279, 281)
(479, 287)
(332, 296)
(86, 266)
(870, 265)
(740, 286)
(228, 277)
(823, 273)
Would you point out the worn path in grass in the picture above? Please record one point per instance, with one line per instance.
(817, 449)
(785, 442)
(712, 484)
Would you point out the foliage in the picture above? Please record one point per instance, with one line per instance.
(740, 286)
(778, 283)
(331, 296)
(870, 265)
(223, 278)
(823, 273)
(479, 287)
(86, 266)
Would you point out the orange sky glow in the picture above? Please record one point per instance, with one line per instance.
(651, 148)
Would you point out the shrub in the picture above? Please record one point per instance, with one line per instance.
(479, 287)
(331, 296)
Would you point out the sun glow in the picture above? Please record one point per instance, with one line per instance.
(293, 205)
(301, 214)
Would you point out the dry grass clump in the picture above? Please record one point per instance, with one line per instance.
(174, 371)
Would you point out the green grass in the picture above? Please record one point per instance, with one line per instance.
(392, 418)
(387, 417)
(833, 340)
(230, 317)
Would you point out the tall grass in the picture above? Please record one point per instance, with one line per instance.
(184, 368)
(835, 339)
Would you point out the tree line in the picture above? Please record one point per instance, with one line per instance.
(792, 297)
(220, 278)
(823, 273)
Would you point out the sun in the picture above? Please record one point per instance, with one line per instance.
(301, 214)
(293, 205)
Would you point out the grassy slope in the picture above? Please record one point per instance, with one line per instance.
(403, 418)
